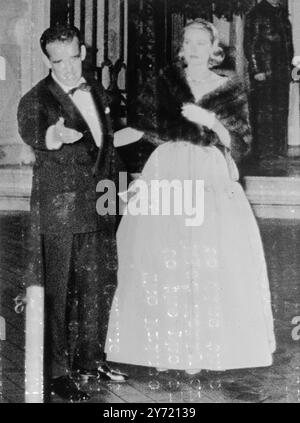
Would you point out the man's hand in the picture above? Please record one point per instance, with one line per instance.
(127, 136)
(66, 135)
(260, 77)
(58, 134)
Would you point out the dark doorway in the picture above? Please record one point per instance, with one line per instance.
(62, 11)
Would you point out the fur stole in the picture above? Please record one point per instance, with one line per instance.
(159, 106)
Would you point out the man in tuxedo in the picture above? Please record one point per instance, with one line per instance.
(268, 48)
(65, 118)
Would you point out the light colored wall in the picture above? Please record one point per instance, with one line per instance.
(21, 24)
(294, 111)
(294, 7)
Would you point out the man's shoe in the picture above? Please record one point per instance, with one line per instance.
(66, 388)
(104, 373)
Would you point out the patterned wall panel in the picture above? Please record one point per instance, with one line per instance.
(103, 24)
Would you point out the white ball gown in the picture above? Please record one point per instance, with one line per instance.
(192, 297)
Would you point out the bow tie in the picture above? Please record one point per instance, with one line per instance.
(84, 86)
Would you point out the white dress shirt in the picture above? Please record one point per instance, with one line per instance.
(84, 102)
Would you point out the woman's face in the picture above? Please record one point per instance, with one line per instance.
(197, 46)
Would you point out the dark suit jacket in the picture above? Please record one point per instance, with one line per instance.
(268, 41)
(64, 181)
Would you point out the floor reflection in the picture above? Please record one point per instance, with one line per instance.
(279, 383)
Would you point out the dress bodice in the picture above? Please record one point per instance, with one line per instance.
(200, 91)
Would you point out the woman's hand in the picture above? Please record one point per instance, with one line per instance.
(198, 115)
(201, 116)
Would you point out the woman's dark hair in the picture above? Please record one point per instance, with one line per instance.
(61, 33)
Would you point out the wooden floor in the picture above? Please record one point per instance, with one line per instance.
(278, 383)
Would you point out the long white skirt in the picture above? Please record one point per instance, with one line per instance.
(192, 297)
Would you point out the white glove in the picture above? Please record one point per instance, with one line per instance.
(198, 115)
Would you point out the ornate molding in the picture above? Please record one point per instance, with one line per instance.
(142, 57)
(207, 8)
(103, 24)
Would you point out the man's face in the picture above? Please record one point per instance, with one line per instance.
(65, 60)
(274, 3)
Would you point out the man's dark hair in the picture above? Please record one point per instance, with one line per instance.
(61, 33)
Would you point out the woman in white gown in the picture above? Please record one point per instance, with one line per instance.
(193, 297)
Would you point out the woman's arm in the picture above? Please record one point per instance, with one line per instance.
(202, 117)
(234, 116)
(222, 133)
(156, 112)
(231, 109)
